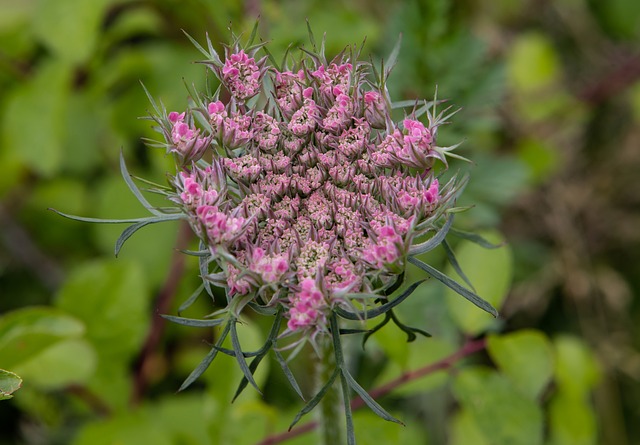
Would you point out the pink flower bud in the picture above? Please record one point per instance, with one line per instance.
(241, 76)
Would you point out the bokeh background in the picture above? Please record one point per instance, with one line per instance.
(549, 93)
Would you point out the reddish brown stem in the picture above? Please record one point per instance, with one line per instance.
(617, 80)
(99, 406)
(163, 305)
(469, 348)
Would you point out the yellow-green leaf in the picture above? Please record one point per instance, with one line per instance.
(9, 383)
(490, 272)
(525, 357)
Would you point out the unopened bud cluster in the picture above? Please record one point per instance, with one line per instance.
(303, 189)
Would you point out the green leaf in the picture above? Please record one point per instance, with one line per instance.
(526, 358)
(393, 342)
(453, 261)
(465, 430)
(572, 420)
(15, 13)
(541, 158)
(133, 428)
(502, 413)
(490, 271)
(434, 241)
(87, 133)
(192, 299)
(253, 341)
(619, 18)
(27, 332)
(312, 39)
(206, 361)
(371, 431)
(287, 372)
(129, 231)
(9, 383)
(175, 419)
(112, 298)
(474, 237)
(455, 286)
(149, 247)
(577, 370)
(371, 403)
(68, 362)
(315, 399)
(112, 383)
(205, 323)
(496, 181)
(134, 188)
(421, 353)
(532, 63)
(372, 313)
(237, 348)
(346, 401)
(270, 342)
(390, 63)
(45, 96)
(185, 418)
(70, 28)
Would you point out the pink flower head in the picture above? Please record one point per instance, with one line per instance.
(236, 130)
(274, 185)
(416, 150)
(175, 117)
(289, 91)
(416, 133)
(254, 204)
(245, 168)
(217, 115)
(220, 229)
(307, 307)
(339, 115)
(353, 141)
(334, 76)
(237, 285)
(387, 252)
(270, 267)
(410, 196)
(313, 192)
(375, 109)
(187, 143)
(304, 121)
(412, 148)
(241, 75)
(266, 132)
(342, 174)
(274, 162)
(342, 277)
(312, 258)
(431, 194)
(200, 186)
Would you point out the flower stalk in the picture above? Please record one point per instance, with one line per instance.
(330, 415)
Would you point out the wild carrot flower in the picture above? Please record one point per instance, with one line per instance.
(307, 197)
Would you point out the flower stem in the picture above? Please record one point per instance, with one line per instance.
(469, 348)
(331, 419)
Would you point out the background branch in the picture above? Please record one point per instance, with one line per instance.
(469, 348)
(162, 306)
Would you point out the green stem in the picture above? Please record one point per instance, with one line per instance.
(331, 418)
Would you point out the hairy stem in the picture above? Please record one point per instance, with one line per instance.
(330, 420)
(469, 348)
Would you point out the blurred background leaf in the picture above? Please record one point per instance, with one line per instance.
(550, 98)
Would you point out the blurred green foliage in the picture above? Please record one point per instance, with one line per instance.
(550, 103)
